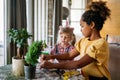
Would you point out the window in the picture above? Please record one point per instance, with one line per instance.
(76, 8)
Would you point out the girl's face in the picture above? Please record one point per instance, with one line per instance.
(85, 29)
(65, 38)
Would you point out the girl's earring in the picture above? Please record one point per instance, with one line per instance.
(92, 25)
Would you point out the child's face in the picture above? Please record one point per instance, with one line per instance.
(85, 29)
(65, 38)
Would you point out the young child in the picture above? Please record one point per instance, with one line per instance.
(65, 41)
(93, 48)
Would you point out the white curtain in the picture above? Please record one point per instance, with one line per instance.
(40, 19)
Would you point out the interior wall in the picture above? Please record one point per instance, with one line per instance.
(112, 26)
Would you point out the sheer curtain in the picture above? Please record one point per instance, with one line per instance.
(40, 19)
(47, 18)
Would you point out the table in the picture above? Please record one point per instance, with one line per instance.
(41, 74)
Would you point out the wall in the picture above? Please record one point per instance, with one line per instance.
(112, 26)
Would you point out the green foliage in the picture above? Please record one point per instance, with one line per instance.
(19, 36)
(33, 53)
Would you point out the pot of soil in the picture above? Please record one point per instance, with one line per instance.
(29, 71)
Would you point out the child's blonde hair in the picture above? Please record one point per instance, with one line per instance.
(68, 30)
(65, 29)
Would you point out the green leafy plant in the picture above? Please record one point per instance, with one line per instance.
(19, 37)
(34, 50)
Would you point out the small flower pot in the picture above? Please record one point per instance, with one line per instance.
(18, 66)
(29, 72)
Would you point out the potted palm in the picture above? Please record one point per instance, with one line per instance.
(31, 58)
(19, 37)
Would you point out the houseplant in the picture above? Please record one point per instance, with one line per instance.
(19, 37)
(31, 58)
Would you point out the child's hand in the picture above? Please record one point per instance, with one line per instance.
(46, 64)
(45, 57)
(42, 58)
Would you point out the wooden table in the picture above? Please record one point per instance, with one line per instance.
(41, 74)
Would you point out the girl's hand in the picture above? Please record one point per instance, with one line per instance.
(47, 65)
(44, 57)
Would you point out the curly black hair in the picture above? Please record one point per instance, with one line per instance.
(96, 12)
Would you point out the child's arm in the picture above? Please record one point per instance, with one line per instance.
(85, 60)
(67, 56)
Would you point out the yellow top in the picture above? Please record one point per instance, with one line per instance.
(99, 50)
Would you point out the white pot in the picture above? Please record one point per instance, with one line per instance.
(18, 66)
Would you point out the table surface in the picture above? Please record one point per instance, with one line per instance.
(41, 74)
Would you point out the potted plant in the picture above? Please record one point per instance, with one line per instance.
(31, 58)
(19, 37)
